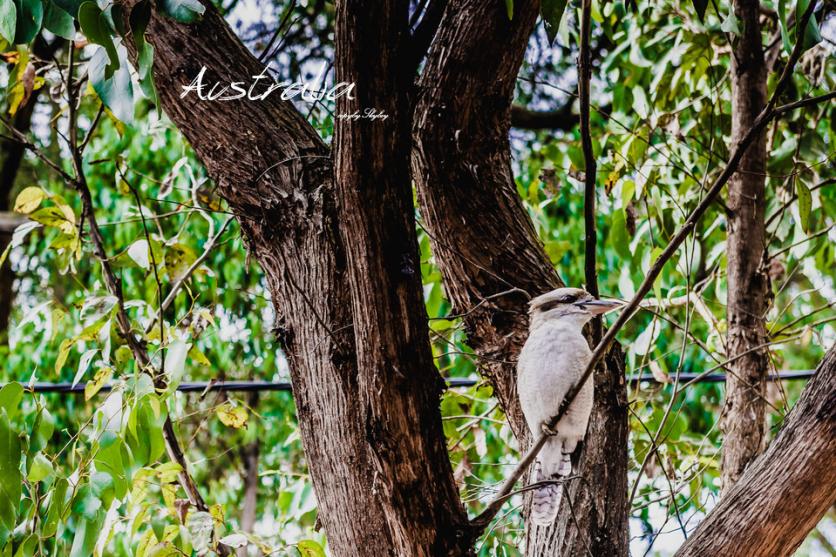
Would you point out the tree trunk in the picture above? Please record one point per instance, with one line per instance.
(743, 419)
(399, 386)
(272, 168)
(249, 458)
(490, 257)
(784, 493)
(249, 509)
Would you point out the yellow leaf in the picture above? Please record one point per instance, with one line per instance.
(68, 213)
(169, 495)
(232, 416)
(29, 199)
(63, 352)
(217, 513)
(102, 376)
(198, 357)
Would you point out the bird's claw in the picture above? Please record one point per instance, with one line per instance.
(544, 427)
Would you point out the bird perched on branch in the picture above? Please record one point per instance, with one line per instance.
(552, 361)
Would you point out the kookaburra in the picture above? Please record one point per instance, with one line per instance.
(552, 361)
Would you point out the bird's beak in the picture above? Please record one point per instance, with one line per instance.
(599, 307)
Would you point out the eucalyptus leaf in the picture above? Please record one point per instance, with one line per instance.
(8, 20)
(95, 26)
(10, 477)
(116, 91)
(184, 11)
(552, 12)
(30, 14)
(10, 397)
(58, 21)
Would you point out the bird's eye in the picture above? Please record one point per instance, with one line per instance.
(568, 299)
(548, 306)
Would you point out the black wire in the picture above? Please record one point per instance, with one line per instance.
(259, 386)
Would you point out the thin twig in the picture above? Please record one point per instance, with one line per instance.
(172, 294)
(590, 167)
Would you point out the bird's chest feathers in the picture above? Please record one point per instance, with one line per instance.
(553, 353)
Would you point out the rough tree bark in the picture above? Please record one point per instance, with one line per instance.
(489, 254)
(399, 386)
(276, 174)
(743, 419)
(785, 492)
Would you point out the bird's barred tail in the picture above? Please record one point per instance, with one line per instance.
(544, 504)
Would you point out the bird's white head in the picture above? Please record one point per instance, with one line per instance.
(569, 305)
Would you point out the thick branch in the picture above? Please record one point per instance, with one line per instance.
(784, 493)
(398, 385)
(744, 412)
(560, 119)
(489, 254)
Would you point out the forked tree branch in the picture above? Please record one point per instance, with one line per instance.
(767, 114)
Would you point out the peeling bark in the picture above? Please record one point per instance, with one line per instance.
(743, 419)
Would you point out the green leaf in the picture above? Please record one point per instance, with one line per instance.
(10, 477)
(730, 24)
(63, 352)
(96, 28)
(619, 237)
(175, 361)
(810, 35)
(700, 6)
(10, 396)
(782, 23)
(509, 9)
(69, 6)
(83, 364)
(310, 548)
(101, 378)
(552, 11)
(116, 91)
(86, 535)
(58, 21)
(109, 460)
(42, 431)
(30, 15)
(184, 11)
(56, 509)
(8, 21)
(138, 21)
(640, 102)
(41, 469)
(805, 205)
